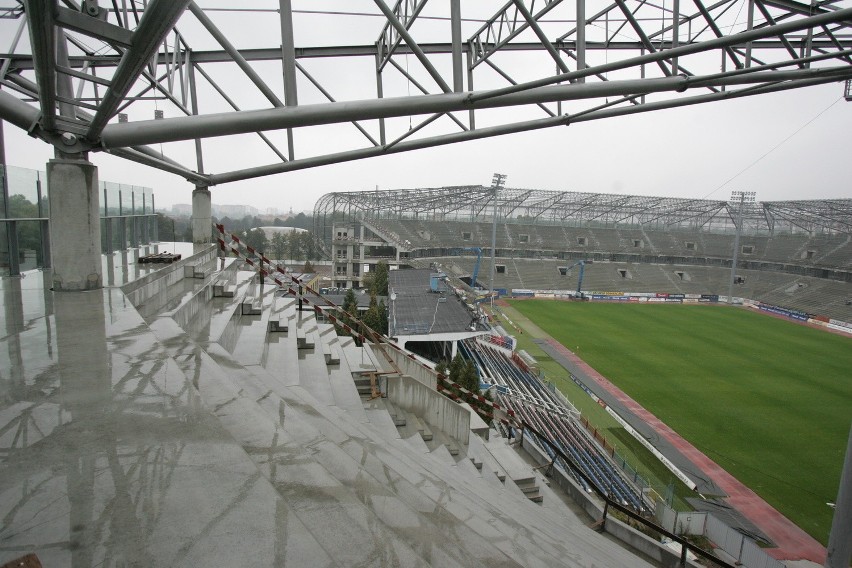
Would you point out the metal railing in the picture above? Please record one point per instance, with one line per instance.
(609, 502)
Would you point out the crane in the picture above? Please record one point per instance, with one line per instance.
(475, 273)
(582, 265)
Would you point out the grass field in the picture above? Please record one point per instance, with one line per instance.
(768, 400)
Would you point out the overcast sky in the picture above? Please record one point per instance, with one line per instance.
(790, 145)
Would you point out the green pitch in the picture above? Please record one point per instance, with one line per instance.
(767, 399)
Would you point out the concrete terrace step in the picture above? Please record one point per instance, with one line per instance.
(283, 310)
(251, 304)
(282, 359)
(477, 448)
(314, 376)
(198, 270)
(345, 392)
(304, 447)
(378, 417)
(305, 338)
(285, 412)
(284, 462)
(251, 345)
(406, 426)
(381, 457)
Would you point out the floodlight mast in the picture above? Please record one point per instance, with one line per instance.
(496, 183)
(743, 197)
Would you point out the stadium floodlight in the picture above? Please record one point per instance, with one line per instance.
(496, 183)
(743, 197)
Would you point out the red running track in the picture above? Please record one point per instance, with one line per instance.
(793, 543)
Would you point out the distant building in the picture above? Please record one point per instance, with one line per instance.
(272, 231)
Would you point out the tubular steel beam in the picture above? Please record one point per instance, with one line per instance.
(581, 37)
(159, 17)
(43, 45)
(519, 4)
(93, 27)
(185, 128)
(483, 49)
(455, 31)
(403, 33)
(711, 44)
(640, 32)
(134, 155)
(235, 55)
(351, 155)
(234, 106)
(24, 61)
(288, 63)
(221, 124)
(712, 23)
(388, 44)
(16, 111)
(327, 95)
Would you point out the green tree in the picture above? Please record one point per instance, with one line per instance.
(383, 317)
(308, 268)
(29, 232)
(376, 317)
(350, 306)
(166, 227)
(456, 366)
(441, 367)
(378, 279)
(278, 246)
(256, 239)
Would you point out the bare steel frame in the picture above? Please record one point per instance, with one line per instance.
(607, 59)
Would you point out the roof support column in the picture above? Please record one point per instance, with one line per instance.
(676, 32)
(202, 216)
(380, 93)
(581, 37)
(455, 23)
(288, 61)
(75, 224)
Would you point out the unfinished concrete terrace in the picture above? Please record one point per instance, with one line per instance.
(156, 422)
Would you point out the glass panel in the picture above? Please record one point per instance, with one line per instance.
(112, 198)
(133, 200)
(4, 250)
(29, 245)
(23, 193)
(117, 243)
(104, 243)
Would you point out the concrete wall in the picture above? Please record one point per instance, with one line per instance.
(412, 368)
(429, 405)
(156, 283)
(590, 503)
(190, 308)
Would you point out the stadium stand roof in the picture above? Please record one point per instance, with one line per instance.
(476, 203)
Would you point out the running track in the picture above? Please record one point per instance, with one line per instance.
(793, 543)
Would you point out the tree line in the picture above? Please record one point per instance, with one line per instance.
(376, 316)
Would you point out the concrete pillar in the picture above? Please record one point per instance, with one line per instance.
(75, 224)
(202, 216)
(839, 551)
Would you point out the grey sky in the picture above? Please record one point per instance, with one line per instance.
(687, 152)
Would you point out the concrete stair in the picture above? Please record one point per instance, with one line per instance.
(360, 484)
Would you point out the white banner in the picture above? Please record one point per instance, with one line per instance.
(663, 459)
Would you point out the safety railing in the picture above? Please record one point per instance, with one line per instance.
(610, 503)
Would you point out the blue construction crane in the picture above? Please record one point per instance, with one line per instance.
(582, 265)
(475, 274)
